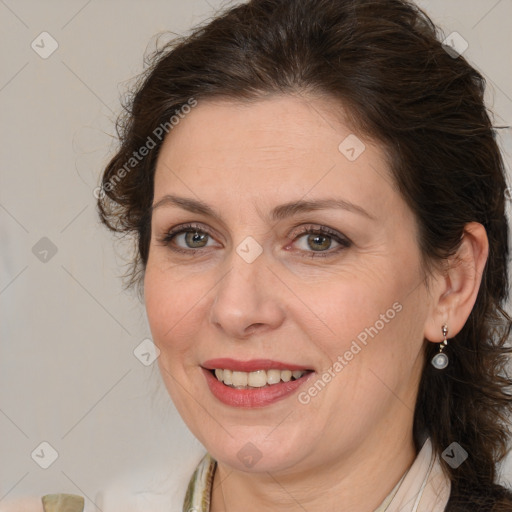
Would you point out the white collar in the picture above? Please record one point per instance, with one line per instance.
(424, 488)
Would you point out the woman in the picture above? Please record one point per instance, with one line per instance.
(318, 202)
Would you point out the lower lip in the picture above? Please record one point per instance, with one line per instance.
(256, 397)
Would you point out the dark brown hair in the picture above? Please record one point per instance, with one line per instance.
(383, 61)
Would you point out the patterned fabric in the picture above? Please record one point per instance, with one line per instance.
(199, 491)
(422, 488)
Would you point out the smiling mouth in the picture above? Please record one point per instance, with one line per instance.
(258, 378)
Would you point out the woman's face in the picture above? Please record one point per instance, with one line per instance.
(253, 287)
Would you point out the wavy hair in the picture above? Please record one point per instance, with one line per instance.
(384, 62)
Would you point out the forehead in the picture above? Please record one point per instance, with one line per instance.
(283, 146)
(285, 124)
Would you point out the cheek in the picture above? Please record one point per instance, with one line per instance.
(170, 303)
(346, 308)
(368, 330)
(369, 357)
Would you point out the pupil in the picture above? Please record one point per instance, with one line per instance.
(314, 239)
(195, 236)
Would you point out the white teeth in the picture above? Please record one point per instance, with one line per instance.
(286, 375)
(256, 379)
(273, 377)
(239, 379)
(228, 377)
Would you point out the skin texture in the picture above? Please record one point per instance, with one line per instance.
(351, 443)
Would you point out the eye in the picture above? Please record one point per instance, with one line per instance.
(191, 236)
(319, 240)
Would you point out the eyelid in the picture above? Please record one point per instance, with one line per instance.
(320, 228)
(190, 226)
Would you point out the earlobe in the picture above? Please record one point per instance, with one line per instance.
(454, 292)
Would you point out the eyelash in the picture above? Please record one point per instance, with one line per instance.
(322, 230)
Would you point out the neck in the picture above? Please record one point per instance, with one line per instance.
(360, 482)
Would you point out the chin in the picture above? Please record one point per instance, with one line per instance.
(252, 449)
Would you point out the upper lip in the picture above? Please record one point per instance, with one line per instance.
(225, 363)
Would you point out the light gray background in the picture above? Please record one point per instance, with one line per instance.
(68, 374)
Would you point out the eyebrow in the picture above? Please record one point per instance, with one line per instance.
(280, 212)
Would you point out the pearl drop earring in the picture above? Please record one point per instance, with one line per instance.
(440, 360)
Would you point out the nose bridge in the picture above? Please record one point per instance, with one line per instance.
(246, 270)
(242, 297)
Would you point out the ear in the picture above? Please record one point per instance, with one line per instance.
(454, 290)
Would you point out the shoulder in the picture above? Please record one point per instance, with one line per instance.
(494, 498)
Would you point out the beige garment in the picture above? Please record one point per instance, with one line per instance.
(422, 488)
(63, 503)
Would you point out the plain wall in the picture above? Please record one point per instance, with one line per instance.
(68, 374)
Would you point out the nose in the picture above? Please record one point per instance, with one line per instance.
(248, 299)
